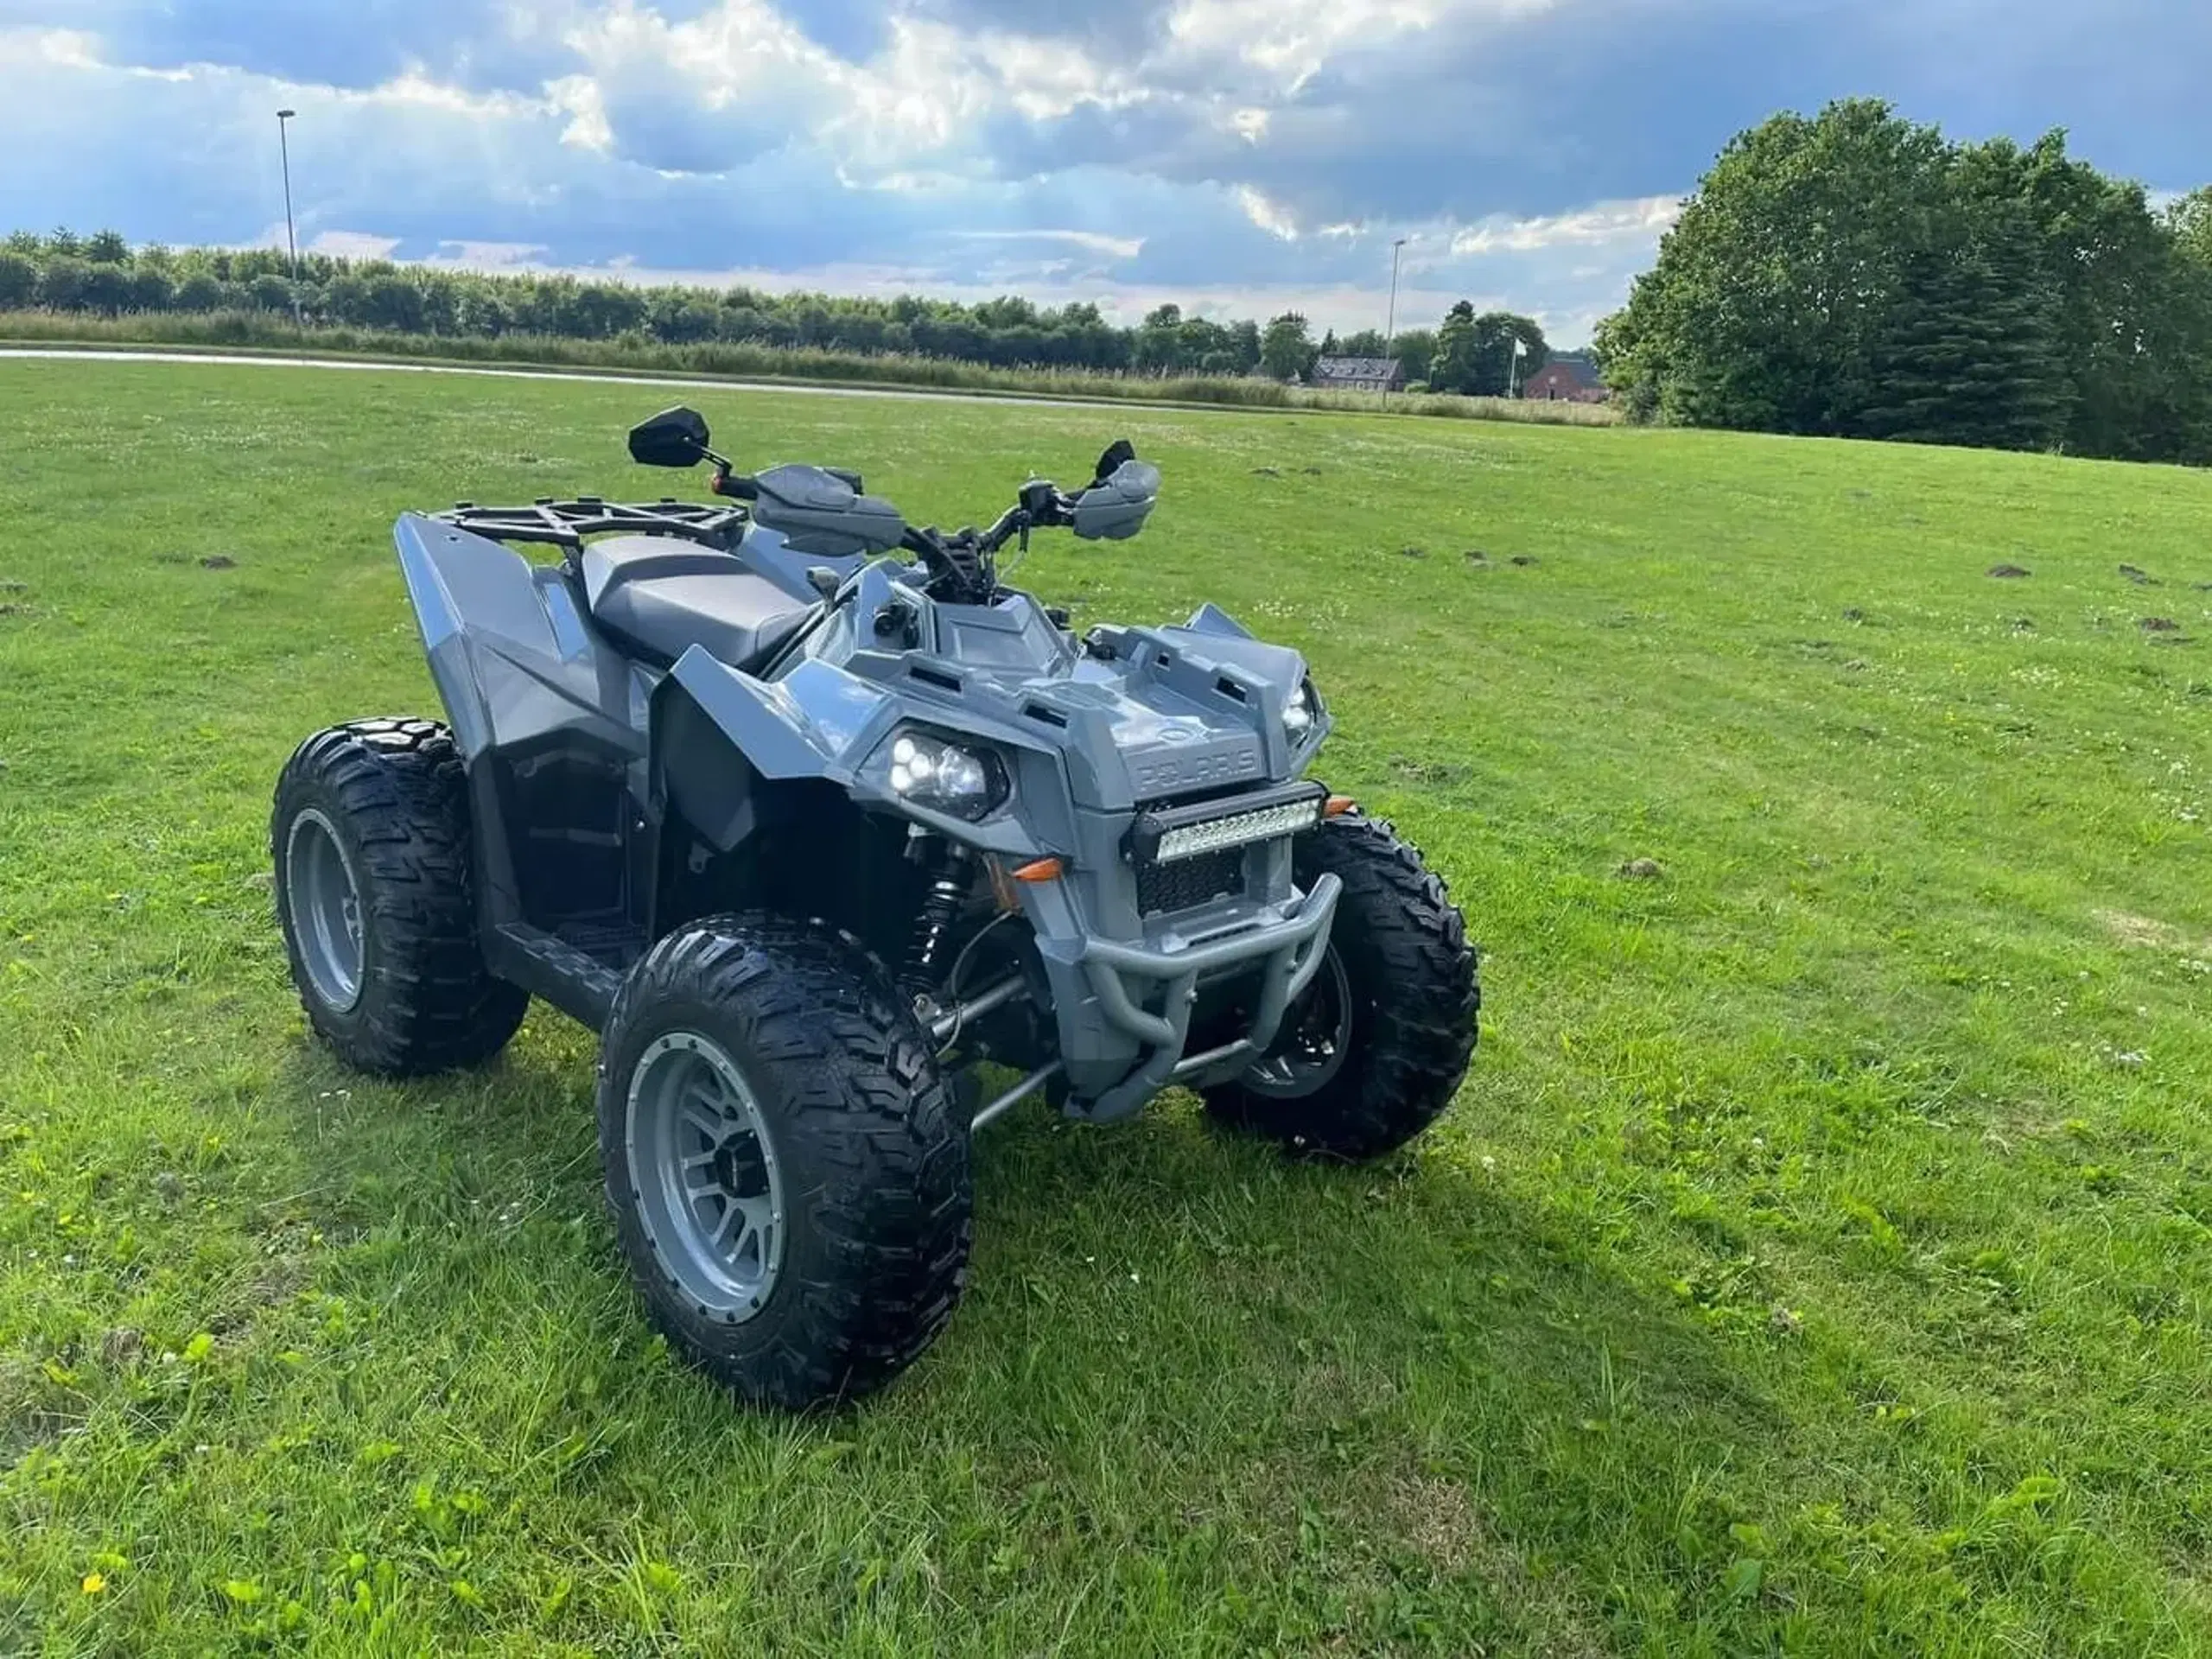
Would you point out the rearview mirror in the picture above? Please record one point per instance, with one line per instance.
(675, 437)
(1116, 509)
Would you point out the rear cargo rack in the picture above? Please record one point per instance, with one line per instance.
(566, 524)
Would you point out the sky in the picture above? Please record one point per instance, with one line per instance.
(1240, 158)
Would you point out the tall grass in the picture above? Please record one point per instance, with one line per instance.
(254, 331)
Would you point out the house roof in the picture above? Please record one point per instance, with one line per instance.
(1579, 367)
(1356, 368)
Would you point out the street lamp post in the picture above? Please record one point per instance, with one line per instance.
(1390, 325)
(291, 239)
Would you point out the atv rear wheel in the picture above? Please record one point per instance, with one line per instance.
(369, 835)
(789, 1181)
(1372, 1054)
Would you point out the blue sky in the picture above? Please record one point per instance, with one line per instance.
(1239, 156)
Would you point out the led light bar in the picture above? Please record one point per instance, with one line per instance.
(1169, 835)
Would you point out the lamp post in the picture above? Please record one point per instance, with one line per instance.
(291, 239)
(1390, 325)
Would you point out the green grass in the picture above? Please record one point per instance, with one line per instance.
(245, 333)
(1816, 1261)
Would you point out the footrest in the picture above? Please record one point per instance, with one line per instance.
(578, 983)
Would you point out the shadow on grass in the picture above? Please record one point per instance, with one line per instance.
(1351, 1381)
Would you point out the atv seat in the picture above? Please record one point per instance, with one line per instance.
(656, 598)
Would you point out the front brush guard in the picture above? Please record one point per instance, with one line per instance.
(1289, 951)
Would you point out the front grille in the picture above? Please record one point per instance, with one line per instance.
(1189, 882)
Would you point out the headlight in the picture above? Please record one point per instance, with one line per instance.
(1301, 714)
(945, 778)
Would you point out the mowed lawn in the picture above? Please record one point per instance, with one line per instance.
(1817, 1259)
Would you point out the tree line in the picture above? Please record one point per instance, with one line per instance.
(1855, 275)
(103, 275)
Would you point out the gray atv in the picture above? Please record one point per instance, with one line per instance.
(820, 839)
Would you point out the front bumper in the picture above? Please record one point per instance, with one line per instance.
(1285, 941)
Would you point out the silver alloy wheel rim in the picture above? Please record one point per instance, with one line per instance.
(709, 1190)
(324, 897)
(1315, 1038)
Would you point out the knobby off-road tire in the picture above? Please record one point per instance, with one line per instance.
(371, 840)
(1382, 1038)
(806, 1098)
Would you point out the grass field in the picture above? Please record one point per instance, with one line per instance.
(1818, 1260)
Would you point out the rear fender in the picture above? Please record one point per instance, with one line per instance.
(511, 654)
(522, 675)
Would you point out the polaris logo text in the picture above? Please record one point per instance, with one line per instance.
(1197, 771)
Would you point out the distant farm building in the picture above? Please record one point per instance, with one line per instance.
(1359, 374)
(1570, 378)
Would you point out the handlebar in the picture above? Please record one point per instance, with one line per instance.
(966, 561)
(736, 486)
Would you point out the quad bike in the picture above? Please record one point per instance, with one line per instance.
(812, 835)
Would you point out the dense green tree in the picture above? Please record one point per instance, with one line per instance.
(1158, 347)
(2106, 264)
(18, 280)
(395, 303)
(1007, 311)
(2190, 221)
(146, 288)
(1413, 349)
(62, 283)
(1366, 342)
(1969, 358)
(1832, 273)
(1767, 295)
(1244, 346)
(1456, 365)
(1009, 330)
(1200, 339)
(201, 290)
(681, 319)
(107, 248)
(1489, 367)
(269, 293)
(1286, 349)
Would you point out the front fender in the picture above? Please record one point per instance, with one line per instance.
(717, 733)
(806, 725)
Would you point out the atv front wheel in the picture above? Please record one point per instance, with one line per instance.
(789, 1181)
(370, 834)
(1371, 1055)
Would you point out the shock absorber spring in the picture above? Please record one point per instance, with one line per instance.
(940, 913)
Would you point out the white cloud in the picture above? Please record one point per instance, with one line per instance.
(1118, 247)
(1607, 222)
(1273, 219)
(578, 97)
(1289, 40)
(351, 244)
(72, 49)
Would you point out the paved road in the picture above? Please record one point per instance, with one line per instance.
(57, 353)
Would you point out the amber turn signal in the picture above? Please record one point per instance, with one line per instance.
(1040, 869)
(1337, 806)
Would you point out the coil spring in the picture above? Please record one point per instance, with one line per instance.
(940, 911)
